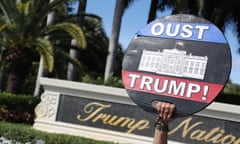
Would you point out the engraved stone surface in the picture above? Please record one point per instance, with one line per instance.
(47, 108)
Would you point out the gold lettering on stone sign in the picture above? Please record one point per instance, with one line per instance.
(215, 135)
(94, 114)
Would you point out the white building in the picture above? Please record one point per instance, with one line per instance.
(173, 62)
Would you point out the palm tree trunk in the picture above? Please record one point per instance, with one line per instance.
(113, 42)
(72, 71)
(50, 20)
(181, 7)
(201, 6)
(16, 76)
(14, 83)
(2, 71)
(152, 11)
(2, 77)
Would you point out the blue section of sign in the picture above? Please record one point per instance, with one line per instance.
(185, 31)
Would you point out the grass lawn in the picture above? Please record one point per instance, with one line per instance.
(25, 133)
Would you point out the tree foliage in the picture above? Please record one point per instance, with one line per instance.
(219, 12)
(23, 31)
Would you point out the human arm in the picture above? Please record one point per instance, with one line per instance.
(165, 111)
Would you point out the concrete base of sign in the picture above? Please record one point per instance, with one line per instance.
(89, 132)
(47, 111)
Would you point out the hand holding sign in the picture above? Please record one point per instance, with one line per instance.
(180, 59)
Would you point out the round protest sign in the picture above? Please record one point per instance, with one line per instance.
(180, 59)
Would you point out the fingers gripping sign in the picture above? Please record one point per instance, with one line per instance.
(165, 110)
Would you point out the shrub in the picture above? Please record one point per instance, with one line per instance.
(232, 88)
(113, 81)
(17, 108)
(228, 98)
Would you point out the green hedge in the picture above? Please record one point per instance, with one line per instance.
(228, 98)
(17, 108)
(24, 133)
(113, 81)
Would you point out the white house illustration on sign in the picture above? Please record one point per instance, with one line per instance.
(174, 62)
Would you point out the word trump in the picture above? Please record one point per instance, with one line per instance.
(171, 87)
(94, 111)
(168, 86)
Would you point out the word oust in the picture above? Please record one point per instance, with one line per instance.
(180, 29)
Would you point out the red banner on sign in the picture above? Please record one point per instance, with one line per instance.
(169, 86)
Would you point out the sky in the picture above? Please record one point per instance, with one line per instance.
(135, 18)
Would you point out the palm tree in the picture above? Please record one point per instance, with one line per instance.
(90, 60)
(93, 58)
(22, 31)
(220, 12)
(120, 6)
(153, 10)
(72, 71)
(180, 6)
